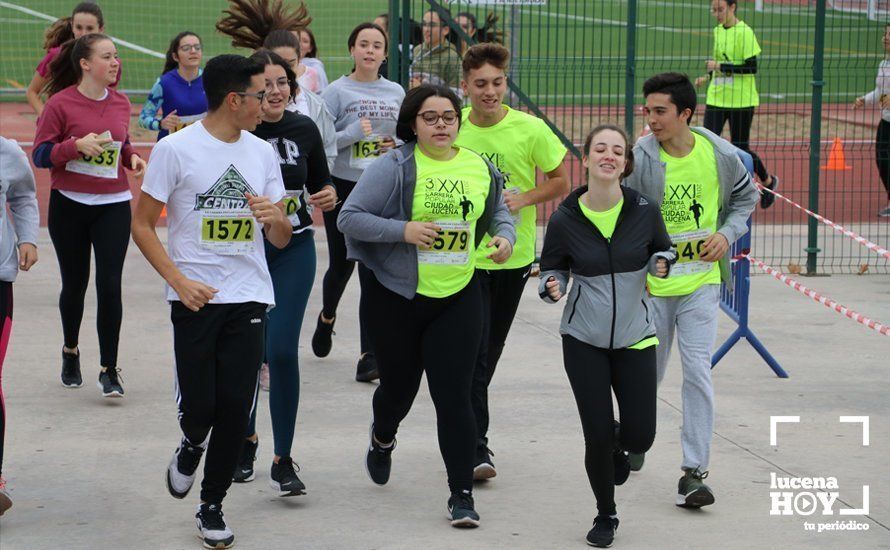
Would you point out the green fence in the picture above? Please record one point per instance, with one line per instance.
(582, 62)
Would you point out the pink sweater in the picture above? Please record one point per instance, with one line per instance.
(68, 116)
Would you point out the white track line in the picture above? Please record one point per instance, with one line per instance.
(114, 39)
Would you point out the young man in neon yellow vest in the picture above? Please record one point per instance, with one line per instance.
(706, 197)
(516, 143)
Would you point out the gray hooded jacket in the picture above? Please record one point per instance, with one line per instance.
(17, 189)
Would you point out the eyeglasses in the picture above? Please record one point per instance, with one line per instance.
(191, 47)
(281, 83)
(259, 95)
(431, 118)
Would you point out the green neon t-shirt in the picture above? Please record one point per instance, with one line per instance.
(606, 220)
(734, 45)
(515, 145)
(645, 343)
(689, 209)
(452, 194)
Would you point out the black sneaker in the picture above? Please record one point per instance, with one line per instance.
(71, 370)
(366, 370)
(284, 478)
(636, 461)
(692, 491)
(321, 340)
(110, 383)
(212, 529)
(484, 467)
(766, 198)
(182, 468)
(461, 511)
(378, 461)
(244, 469)
(620, 459)
(603, 532)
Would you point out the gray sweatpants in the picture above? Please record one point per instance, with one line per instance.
(694, 319)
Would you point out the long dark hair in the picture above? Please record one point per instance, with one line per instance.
(65, 69)
(268, 57)
(414, 101)
(60, 32)
(313, 47)
(249, 22)
(170, 62)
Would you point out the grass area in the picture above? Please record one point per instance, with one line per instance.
(567, 52)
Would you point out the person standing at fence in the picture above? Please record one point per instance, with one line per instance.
(85, 19)
(414, 220)
(177, 98)
(732, 87)
(83, 138)
(18, 251)
(674, 166)
(307, 184)
(364, 105)
(224, 196)
(435, 60)
(517, 144)
(880, 96)
(607, 238)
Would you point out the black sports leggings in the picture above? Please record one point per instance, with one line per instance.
(441, 337)
(593, 373)
(74, 228)
(739, 131)
(882, 154)
(339, 268)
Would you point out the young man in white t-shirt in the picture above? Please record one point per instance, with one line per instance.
(223, 191)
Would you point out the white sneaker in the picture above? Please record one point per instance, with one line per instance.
(183, 468)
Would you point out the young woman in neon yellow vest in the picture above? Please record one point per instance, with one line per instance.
(732, 87)
(414, 221)
(880, 98)
(517, 144)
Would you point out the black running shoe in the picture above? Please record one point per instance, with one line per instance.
(603, 532)
(692, 491)
(182, 468)
(461, 511)
(484, 467)
(212, 529)
(766, 198)
(284, 478)
(366, 370)
(622, 465)
(636, 461)
(110, 383)
(71, 370)
(378, 461)
(321, 340)
(244, 469)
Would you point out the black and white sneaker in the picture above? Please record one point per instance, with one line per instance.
(484, 468)
(766, 198)
(71, 377)
(182, 468)
(366, 369)
(212, 529)
(244, 469)
(461, 510)
(621, 463)
(321, 339)
(603, 533)
(284, 478)
(378, 461)
(110, 383)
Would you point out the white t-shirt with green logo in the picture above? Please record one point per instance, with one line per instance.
(516, 146)
(212, 235)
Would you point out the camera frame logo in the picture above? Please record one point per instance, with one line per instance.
(808, 496)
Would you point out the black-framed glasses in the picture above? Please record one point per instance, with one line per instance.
(191, 47)
(431, 118)
(259, 95)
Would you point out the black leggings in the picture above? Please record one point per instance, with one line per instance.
(739, 131)
(882, 154)
(593, 373)
(75, 227)
(440, 336)
(501, 292)
(339, 268)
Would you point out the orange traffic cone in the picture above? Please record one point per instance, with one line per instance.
(836, 159)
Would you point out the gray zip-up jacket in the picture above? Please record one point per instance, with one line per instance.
(18, 190)
(325, 122)
(374, 216)
(737, 194)
(608, 306)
